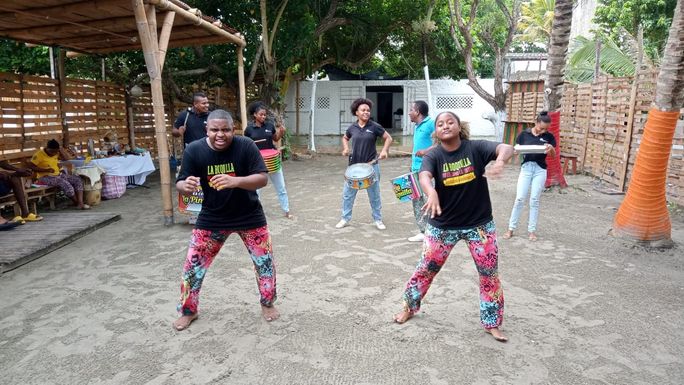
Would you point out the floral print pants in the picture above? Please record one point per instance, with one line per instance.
(205, 244)
(481, 241)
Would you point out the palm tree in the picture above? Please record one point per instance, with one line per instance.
(643, 215)
(615, 60)
(536, 19)
(558, 48)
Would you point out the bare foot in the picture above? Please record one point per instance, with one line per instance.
(288, 215)
(183, 322)
(533, 237)
(270, 313)
(497, 334)
(508, 234)
(403, 316)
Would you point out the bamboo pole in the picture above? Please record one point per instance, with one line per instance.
(61, 69)
(199, 21)
(241, 85)
(150, 51)
(151, 16)
(164, 37)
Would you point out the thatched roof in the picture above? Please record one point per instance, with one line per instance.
(102, 26)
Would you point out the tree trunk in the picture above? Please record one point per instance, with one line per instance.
(643, 216)
(558, 49)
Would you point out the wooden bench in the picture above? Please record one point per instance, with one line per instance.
(565, 160)
(33, 196)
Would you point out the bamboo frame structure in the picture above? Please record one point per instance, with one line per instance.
(81, 27)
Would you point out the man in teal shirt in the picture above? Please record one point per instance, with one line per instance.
(422, 142)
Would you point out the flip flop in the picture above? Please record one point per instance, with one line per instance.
(8, 225)
(32, 218)
(18, 220)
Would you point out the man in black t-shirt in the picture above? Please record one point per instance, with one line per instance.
(229, 169)
(191, 123)
(460, 209)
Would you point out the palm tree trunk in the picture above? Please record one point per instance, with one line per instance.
(553, 86)
(558, 49)
(643, 215)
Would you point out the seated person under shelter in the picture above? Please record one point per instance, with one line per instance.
(10, 181)
(45, 163)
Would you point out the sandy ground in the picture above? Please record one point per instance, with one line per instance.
(581, 307)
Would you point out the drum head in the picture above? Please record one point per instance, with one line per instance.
(359, 171)
(269, 152)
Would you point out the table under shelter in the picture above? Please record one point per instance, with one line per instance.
(106, 26)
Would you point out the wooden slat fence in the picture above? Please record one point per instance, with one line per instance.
(31, 113)
(594, 126)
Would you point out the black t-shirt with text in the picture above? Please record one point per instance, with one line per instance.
(266, 131)
(195, 127)
(527, 137)
(229, 209)
(363, 141)
(460, 183)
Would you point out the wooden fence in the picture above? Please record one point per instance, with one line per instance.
(595, 126)
(31, 114)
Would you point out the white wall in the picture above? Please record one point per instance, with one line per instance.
(582, 14)
(334, 98)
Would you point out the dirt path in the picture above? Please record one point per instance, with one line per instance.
(581, 307)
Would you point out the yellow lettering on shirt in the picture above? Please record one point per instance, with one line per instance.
(217, 169)
(459, 172)
(454, 166)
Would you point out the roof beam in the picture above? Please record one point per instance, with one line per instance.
(172, 44)
(89, 7)
(198, 20)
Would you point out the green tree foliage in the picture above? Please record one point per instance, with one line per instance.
(536, 17)
(615, 16)
(308, 34)
(18, 58)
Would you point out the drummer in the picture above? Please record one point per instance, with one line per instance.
(363, 135)
(422, 143)
(264, 133)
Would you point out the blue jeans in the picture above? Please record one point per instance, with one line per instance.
(532, 177)
(349, 195)
(278, 181)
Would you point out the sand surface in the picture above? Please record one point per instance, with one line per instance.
(581, 306)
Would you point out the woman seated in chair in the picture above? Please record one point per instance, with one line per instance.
(45, 163)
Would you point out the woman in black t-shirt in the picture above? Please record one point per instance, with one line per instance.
(532, 174)
(264, 133)
(363, 135)
(460, 209)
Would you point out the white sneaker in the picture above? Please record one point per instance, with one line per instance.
(417, 238)
(380, 225)
(342, 223)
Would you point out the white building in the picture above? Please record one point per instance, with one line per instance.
(391, 102)
(582, 14)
